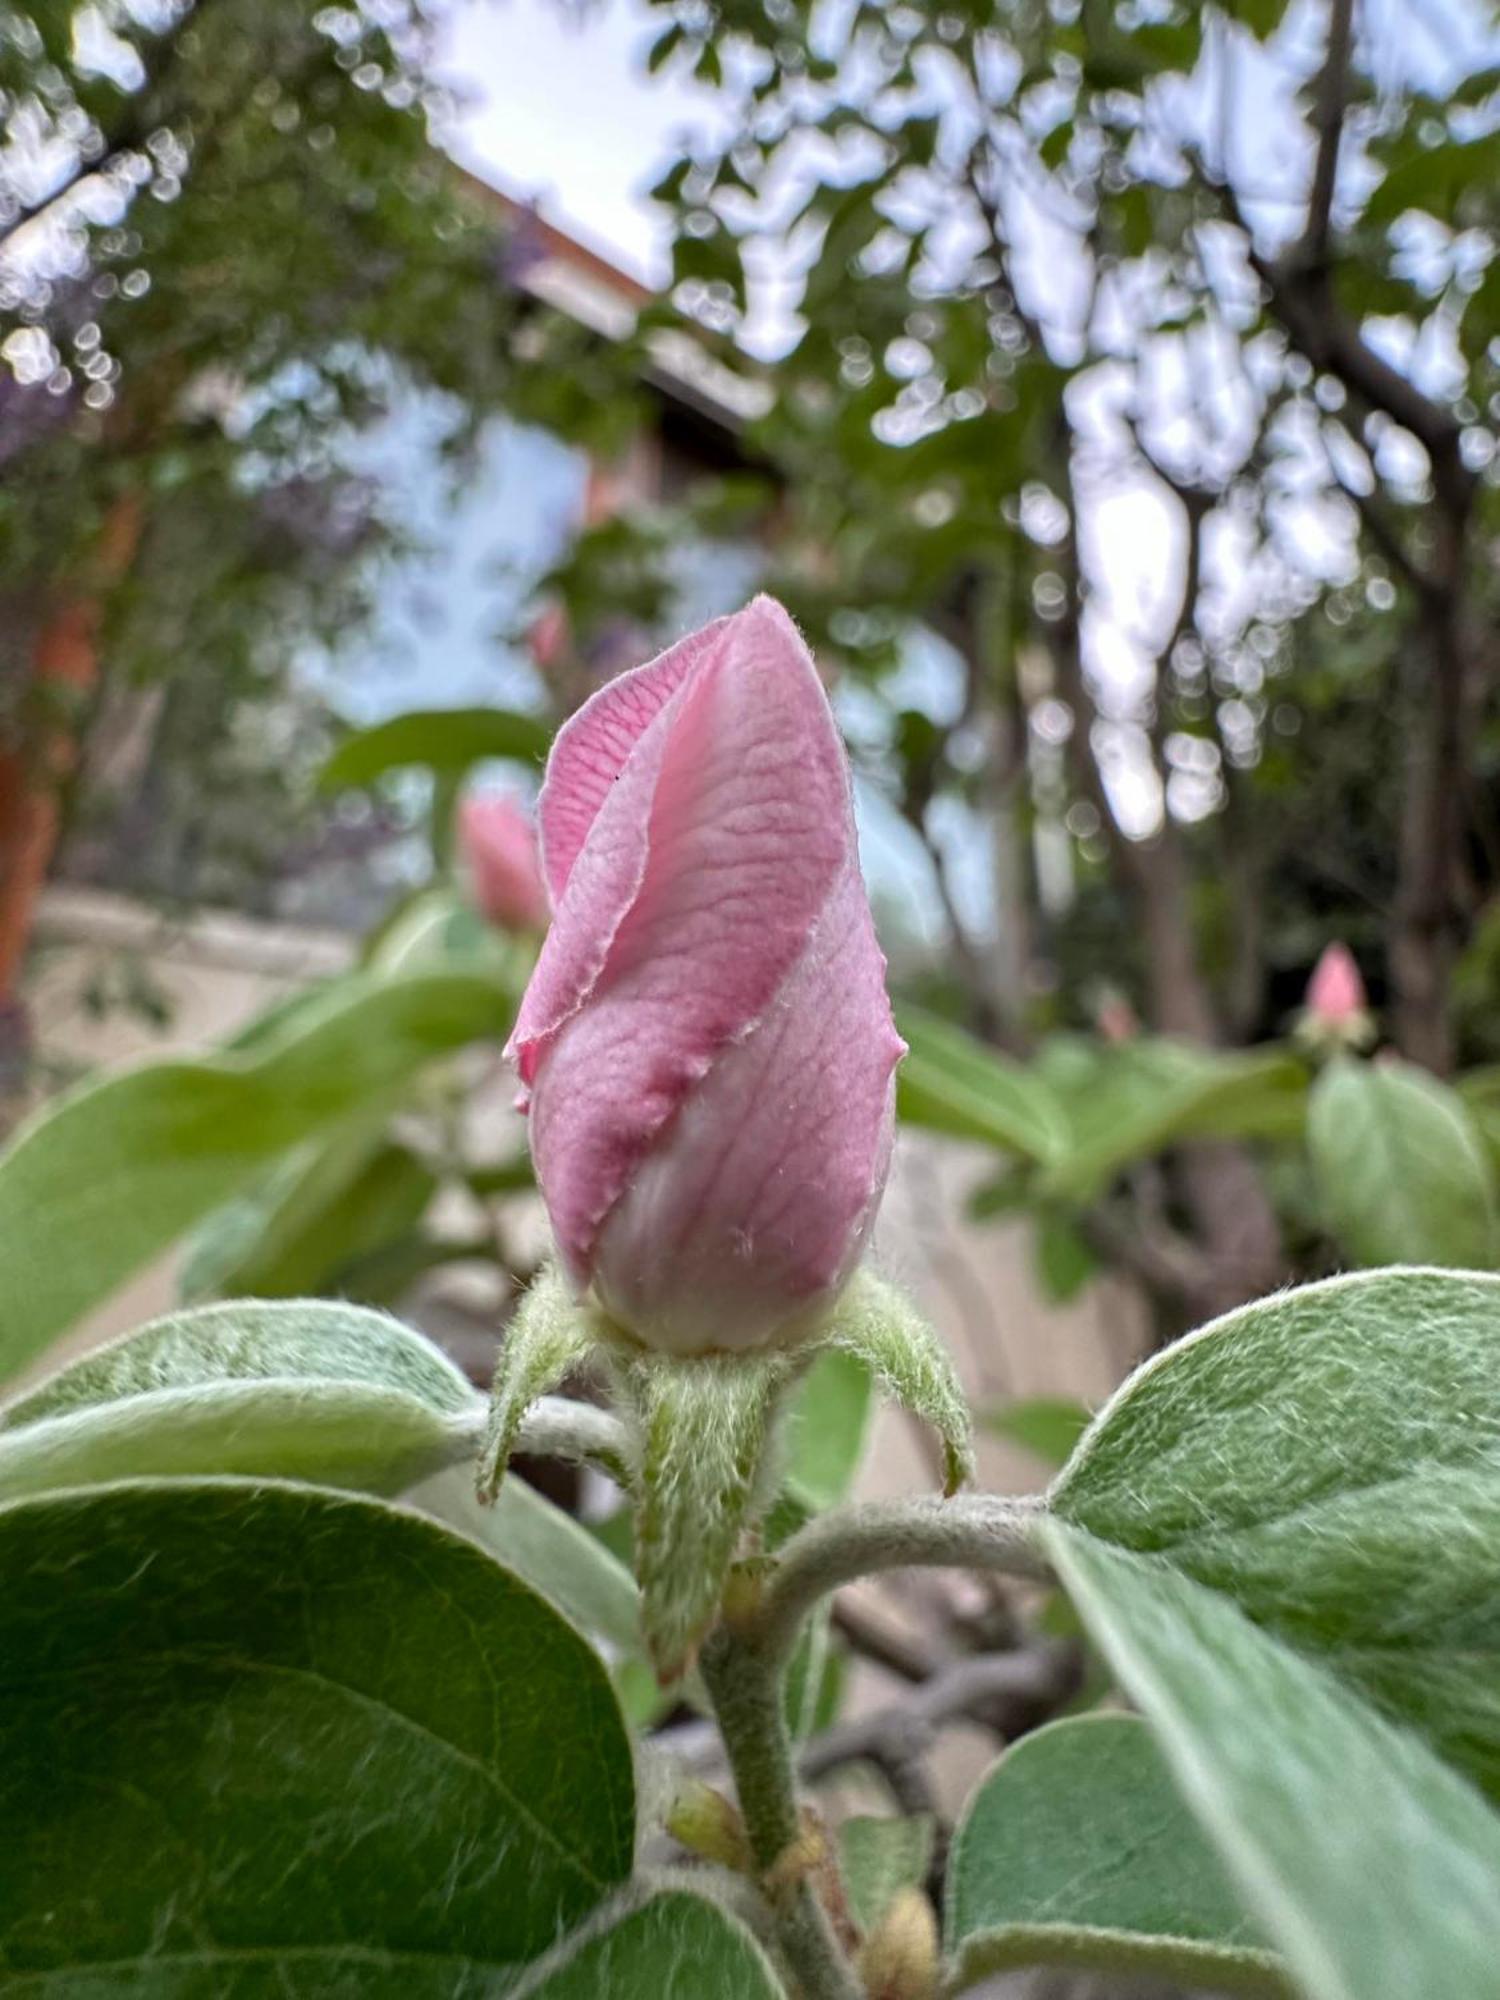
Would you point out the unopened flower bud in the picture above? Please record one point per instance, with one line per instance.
(704, 1821)
(498, 844)
(1336, 991)
(1336, 1013)
(899, 1960)
(706, 1040)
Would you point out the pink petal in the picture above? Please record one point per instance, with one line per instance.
(755, 1203)
(704, 871)
(592, 747)
(1336, 990)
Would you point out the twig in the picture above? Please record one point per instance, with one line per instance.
(1328, 117)
(882, 1643)
(1007, 1693)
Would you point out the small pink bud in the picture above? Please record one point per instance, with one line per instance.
(706, 1039)
(498, 843)
(1115, 1018)
(1336, 993)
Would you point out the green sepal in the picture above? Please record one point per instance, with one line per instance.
(550, 1334)
(881, 1325)
(704, 1424)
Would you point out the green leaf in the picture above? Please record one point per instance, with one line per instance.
(308, 1228)
(1435, 179)
(879, 1856)
(549, 1335)
(1404, 1176)
(111, 1175)
(1261, 17)
(826, 1430)
(548, 1549)
(1373, 1867)
(446, 740)
(664, 47)
(952, 1083)
(330, 1393)
(269, 1738)
(1046, 1426)
(1126, 1103)
(1065, 1260)
(1076, 1850)
(1330, 1458)
(881, 1327)
(675, 1947)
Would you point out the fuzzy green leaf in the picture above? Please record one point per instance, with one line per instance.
(879, 1856)
(1330, 1457)
(550, 1335)
(1076, 1850)
(883, 1328)
(266, 1738)
(1403, 1172)
(302, 1389)
(111, 1175)
(551, 1551)
(1373, 1867)
(674, 1947)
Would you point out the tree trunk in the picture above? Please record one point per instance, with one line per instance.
(34, 770)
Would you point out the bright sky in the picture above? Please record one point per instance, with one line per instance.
(559, 108)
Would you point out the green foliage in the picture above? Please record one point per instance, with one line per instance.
(548, 1549)
(1369, 1864)
(951, 1083)
(329, 1393)
(549, 1335)
(704, 1425)
(444, 740)
(1130, 1102)
(321, 1223)
(1328, 1458)
(1077, 1850)
(316, 1726)
(827, 1424)
(113, 1174)
(675, 1946)
(879, 1856)
(270, 255)
(879, 1326)
(1403, 1174)
(1046, 1426)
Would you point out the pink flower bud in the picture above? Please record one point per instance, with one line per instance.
(706, 1039)
(1335, 993)
(498, 844)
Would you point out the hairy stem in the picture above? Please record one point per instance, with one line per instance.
(973, 1531)
(745, 1689)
